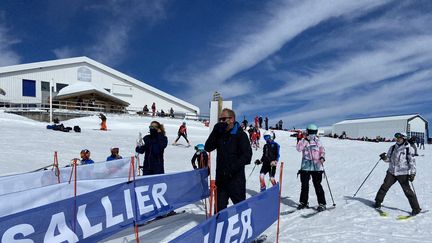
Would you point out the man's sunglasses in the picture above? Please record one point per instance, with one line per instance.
(222, 119)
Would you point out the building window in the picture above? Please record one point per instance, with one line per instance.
(45, 86)
(60, 86)
(29, 88)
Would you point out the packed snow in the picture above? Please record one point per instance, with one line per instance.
(28, 145)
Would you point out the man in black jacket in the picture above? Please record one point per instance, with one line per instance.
(233, 153)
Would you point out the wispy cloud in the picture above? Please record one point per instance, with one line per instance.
(277, 25)
(8, 56)
(115, 27)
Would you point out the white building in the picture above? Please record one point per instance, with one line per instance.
(30, 84)
(385, 127)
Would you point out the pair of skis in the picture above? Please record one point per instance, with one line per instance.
(385, 214)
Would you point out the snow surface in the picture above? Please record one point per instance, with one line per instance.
(28, 145)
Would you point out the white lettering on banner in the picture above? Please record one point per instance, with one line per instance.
(232, 230)
(142, 199)
(158, 191)
(84, 222)
(58, 222)
(21, 229)
(58, 230)
(128, 204)
(110, 219)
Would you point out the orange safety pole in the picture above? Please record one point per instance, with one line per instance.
(280, 194)
(56, 167)
(75, 193)
(132, 175)
(215, 195)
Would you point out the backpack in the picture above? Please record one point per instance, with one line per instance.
(77, 129)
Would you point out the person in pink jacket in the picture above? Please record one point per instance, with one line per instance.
(313, 157)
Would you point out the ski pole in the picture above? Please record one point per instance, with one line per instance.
(367, 177)
(328, 184)
(251, 172)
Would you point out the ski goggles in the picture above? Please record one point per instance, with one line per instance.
(267, 137)
(399, 135)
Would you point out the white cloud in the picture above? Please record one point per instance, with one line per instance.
(280, 24)
(64, 52)
(7, 55)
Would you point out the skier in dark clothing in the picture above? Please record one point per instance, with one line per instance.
(260, 120)
(266, 123)
(280, 123)
(269, 160)
(201, 156)
(244, 123)
(153, 147)
(145, 110)
(182, 132)
(402, 168)
(412, 140)
(233, 153)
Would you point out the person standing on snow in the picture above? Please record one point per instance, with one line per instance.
(402, 168)
(269, 160)
(201, 156)
(256, 120)
(313, 157)
(153, 147)
(233, 153)
(182, 132)
(266, 123)
(260, 120)
(153, 107)
(114, 154)
(103, 122)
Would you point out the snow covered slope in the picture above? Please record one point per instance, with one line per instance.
(27, 145)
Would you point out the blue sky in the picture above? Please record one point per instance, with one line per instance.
(299, 61)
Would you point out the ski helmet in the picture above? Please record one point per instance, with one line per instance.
(400, 135)
(267, 135)
(114, 150)
(199, 147)
(85, 154)
(312, 129)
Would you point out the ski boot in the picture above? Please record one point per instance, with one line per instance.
(321, 208)
(302, 206)
(377, 205)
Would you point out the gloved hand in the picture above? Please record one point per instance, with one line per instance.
(220, 127)
(257, 162)
(273, 163)
(322, 159)
(411, 177)
(383, 156)
(195, 167)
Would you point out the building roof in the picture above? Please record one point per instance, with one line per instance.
(84, 88)
(380, 119)
(83, 59)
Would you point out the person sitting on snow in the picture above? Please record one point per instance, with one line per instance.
(85, 157)
(201, 156)
(269, 160)
(114, 154)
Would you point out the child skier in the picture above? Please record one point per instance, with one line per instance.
(182, 132)
(114, 154)
(103, 122)
(85, 157)
(201, 156)
(269, 160)
(402, 168)
(313, 154)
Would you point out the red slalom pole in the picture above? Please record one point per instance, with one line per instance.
(280, 194)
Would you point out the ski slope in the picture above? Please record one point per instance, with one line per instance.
(27, 145)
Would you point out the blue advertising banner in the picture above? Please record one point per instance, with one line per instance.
(241, 222)
(104, 212)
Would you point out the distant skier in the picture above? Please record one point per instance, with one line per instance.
(280, 123)
(412, 140)
(114, 154)
(182, 132)
(422, 142)
(145, 110)
(260, 120)
(269, 160)
(266, 123)
(153, 107)
(153, 146)
(171, 113)
(313, 154)
(200, 156)
(402, 168)
(103, 122)
(85, 157)
(244, 123)
(256, 120)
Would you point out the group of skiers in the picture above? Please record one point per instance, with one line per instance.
(234, 152)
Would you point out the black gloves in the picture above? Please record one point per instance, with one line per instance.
(322, 159)
(411, 177)
(220, 127)
(257, 162)
(195, 167)
(383, 156)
